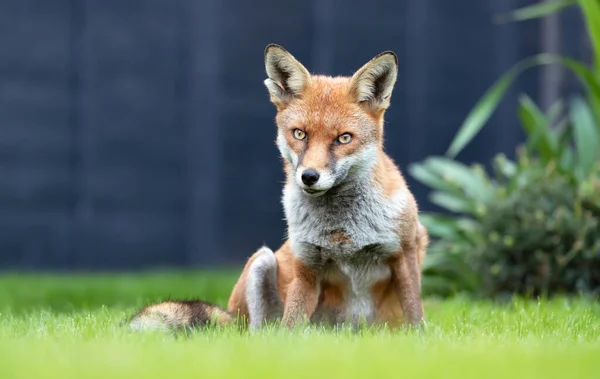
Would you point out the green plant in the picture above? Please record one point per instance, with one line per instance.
(526, 229)
(533, 226)
(583, 120)
(543, 237)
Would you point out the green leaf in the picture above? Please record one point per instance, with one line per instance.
(591, 14)
(565, 151)
(468, 226)
(541, 9)
(446, 273)
(452, 203)
(484, 108)
(469, 179)
(504, 167)
(535, 124)
(440, 226)
(481, 112)
(596, 109)
(425, 175)
(589, 81)
(586, 136)
(451, 229)
(554, 111)
(583, 73)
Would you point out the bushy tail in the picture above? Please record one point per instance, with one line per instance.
(179, 314)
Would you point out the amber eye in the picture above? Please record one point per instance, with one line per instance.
(299, 134)
(345, 138)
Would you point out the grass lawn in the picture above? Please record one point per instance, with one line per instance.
(67, 326)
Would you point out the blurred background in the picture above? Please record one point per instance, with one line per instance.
(138, 134)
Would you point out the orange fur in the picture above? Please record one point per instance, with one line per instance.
(325, 108)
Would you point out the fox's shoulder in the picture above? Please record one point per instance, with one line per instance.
(388, 176)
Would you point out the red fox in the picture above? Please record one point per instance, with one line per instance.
(355, 245)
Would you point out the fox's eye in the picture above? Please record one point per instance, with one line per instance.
(345, 138)
(299, 134)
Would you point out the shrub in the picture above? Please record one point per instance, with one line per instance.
(533, 226)
(527, 230)
(543, 238)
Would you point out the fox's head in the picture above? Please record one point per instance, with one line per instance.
(330, 130)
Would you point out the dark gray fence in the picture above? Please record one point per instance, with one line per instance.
(138, 133)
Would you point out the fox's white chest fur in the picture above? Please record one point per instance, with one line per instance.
(352, 230)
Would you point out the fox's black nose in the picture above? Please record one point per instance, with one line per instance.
(310, 177)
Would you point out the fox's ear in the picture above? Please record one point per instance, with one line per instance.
(287, 77)
(373, 83)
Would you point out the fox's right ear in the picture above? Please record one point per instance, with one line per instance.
(287, 77)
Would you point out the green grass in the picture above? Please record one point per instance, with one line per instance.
(67, 326)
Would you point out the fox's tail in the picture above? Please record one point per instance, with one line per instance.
(179, 314)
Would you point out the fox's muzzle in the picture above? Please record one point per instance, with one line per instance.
(310, 177)
(314, 182)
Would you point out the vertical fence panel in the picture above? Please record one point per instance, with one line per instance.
(34, 133)
(202, 65)
(135, 174)
(139, 134)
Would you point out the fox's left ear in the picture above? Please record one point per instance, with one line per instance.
(373, 83)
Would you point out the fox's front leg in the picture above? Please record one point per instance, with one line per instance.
(407, 277)
(302, 296)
